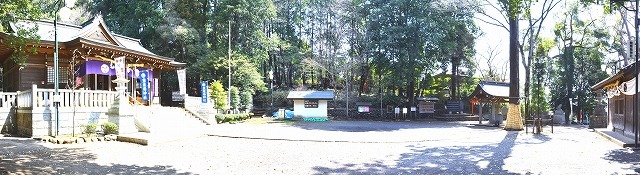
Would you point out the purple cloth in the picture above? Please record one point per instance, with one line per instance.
(104, 68)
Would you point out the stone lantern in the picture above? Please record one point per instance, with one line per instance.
(599, 117)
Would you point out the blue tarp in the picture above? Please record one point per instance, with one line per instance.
(288, 114)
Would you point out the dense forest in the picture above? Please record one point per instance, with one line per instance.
(366, 49)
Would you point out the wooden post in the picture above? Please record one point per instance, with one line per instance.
(34, 95)
(480, 112)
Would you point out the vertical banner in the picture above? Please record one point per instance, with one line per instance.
(144, 85)
(120, 69)
(204, 91)
(182, 81)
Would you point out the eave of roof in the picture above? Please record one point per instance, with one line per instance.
(311, 95)
(620, 74)
(491, 89)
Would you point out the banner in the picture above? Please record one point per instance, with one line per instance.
(120, 67)
(144, 85)
(204, 91)
(182, 81)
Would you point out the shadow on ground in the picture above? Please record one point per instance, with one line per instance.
(625, 156)
(483, 159)
(367, 126)
(27, 156)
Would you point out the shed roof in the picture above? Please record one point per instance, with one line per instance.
(315, 95)
(491, 89)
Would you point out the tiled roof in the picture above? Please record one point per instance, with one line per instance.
(69, 32)
(318, 95)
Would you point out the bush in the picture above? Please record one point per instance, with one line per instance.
(90, 129)
(223, 118)
(109, 128)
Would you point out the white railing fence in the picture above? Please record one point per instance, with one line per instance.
(36, 98)
(8, 99)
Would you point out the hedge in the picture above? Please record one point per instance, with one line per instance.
(222, 118)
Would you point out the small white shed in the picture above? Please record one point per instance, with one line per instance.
(310, 104)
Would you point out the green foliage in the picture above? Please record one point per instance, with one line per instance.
(109, 128)
(540, 76)
(218, 95)
(246, 100)
(246, 76)
(583, 44)
(90, 129)
(235, 98)
(224, 118)
(279, 99)
(17, 39)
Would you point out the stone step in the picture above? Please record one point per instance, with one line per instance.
(168, 124)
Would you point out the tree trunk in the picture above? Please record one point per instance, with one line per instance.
(455, 62)
(363, 78)
(514, 121)
(570, 81)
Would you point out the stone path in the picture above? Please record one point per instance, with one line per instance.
(335, 147)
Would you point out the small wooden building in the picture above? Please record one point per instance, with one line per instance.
(490, 92)
(619, 90)
(310, 104)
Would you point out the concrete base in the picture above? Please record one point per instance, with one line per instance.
(126, 123)
(597, 122)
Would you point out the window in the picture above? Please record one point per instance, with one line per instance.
(63, 76)
(310, 103)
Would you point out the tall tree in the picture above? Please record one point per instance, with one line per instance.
(514, 120)
(31, 10)
(578, 39)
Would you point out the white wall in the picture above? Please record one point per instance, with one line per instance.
(300, 111)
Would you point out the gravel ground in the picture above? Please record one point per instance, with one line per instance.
(335, 147)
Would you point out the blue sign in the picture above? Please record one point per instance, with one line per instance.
(144, 85)
(204, 91)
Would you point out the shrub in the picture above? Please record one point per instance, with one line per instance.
(109, 128)
(90, 129)
(223, 118)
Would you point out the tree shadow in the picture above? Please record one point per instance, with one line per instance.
(625, 156)
(27, 156)
(482, 159)
(368, 126)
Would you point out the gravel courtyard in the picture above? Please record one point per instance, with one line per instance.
(336, 147)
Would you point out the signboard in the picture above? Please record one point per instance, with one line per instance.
(144, 85)
(204, 91)
(177, 96)
(397, 110)
(182, 81)
(404, 110)
(425, 107)
(363, 109)
(120, 67)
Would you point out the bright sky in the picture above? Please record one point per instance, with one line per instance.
(498, 37)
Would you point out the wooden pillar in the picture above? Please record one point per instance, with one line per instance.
(493, 111)
(480, 112)
(109, 82)
(95, 81)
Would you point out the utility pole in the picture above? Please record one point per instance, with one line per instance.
(229, 52)
(56, 102)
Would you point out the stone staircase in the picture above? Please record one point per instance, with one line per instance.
(167, 124)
